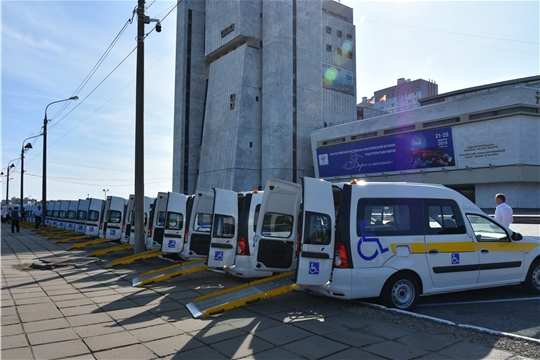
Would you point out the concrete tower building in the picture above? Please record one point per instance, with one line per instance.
(253, 79)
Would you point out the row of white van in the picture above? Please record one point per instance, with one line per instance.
(395, 241)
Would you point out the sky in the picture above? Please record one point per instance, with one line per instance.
(52, 50)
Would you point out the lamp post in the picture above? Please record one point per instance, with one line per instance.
(24, 148)
(7, 180)
(105, 191)
(44, 179)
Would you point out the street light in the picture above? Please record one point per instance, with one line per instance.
(44, 179)
(7, 181)
(105, 191)
(26, 147)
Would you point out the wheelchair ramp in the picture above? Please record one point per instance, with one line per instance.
(88, 243)
(131, 258)
(111, 249)
(238, 296)
(169, 272)
(71, 239)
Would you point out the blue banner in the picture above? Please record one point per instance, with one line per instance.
(418, 150)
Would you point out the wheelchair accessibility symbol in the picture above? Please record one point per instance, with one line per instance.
(113, 232)
(455, 259)
(313, 268)
(218, 256)
(365, 238)
(171, 244)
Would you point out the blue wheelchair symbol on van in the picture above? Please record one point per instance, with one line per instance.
(313, 268)
(455, 259)
(365, 238)
(171, 244)
(218, 256)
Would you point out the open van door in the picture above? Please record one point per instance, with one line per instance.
(175, 223)
(224, 229)
(277, 228)
(317, 242)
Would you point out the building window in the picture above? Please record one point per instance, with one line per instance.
(329, 29)
(328, 47)
(349, 36)
(441, 122)
(399, 130)
(339, 33)
(339, 51)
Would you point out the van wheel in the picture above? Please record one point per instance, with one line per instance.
(401, 291)
(532, 282)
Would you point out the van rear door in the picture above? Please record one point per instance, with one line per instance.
(175, 223)
(276, 236)
(317, 241)
(224, 229)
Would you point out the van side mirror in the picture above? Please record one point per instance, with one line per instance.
(516, 236)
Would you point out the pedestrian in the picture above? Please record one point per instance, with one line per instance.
(503, 212)
(37, 216)
(15, 218)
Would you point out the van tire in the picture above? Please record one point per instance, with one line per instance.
(532, 282)
(401, 291)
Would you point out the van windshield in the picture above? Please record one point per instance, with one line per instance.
(277, 225)
(71, 214)
(115, 216)
(203, 222)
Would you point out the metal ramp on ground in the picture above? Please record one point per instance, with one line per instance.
(60, 233)
(169, 272)
(131, 258)
(88, 243)
(79, 237)
(238, 296)
(111, 249)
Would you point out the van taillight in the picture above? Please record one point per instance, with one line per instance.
(241, 246)
(100, 225)
(340, 256)
(298, 245)
(123, 227)
(150, 231)
(186, 236)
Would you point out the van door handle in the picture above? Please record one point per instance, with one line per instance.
(484, 251)
(433, 251)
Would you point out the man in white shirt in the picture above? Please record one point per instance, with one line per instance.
(503, 212)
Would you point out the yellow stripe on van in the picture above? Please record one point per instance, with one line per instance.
(503, 246)
(416, 248)
(447, 247)
(530, 246)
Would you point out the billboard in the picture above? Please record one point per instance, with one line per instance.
(417, 150)
(337, 79)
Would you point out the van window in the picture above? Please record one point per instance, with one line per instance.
(256, 217)
(317, 228)
(443, 217)
(389, 217)
(223, 226)
(175, 221)
(71, 214)
(203, 222)
(93, 215)
(160, 218)
(81, 215)
(115, 216)
(55, 213)
(277, 225)
(62, 214)
(487, 230)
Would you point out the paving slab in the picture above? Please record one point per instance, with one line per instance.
(60, 350)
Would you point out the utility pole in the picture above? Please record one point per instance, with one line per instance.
(139, 245)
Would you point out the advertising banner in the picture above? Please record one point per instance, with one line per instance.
(338, 79)
(409, 151)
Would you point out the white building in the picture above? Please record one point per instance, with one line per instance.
(253, 78)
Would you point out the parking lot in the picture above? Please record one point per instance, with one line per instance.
(82, 309)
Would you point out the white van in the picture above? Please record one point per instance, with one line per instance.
(62, 215)
(112, 218)
(394, 241)
(93, 220)
(157, 222)
(48, 213)
(129, 231)
(82, 214)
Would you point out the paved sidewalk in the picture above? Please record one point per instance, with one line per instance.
(90, 312)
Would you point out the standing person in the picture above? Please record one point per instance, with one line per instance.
(503, 212)
(37, 216)
(15, 218)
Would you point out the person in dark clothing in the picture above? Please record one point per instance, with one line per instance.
(15, 218)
